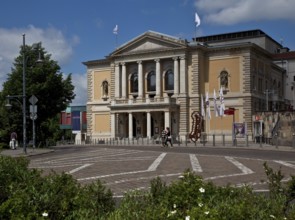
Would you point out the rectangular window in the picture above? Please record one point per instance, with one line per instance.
(260, 85)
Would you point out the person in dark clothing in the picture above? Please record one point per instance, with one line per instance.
(164, 138)
(169, 137)
(13, 139)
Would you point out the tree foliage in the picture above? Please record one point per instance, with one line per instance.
(53, 89)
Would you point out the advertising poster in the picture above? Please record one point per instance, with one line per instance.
(239, 130)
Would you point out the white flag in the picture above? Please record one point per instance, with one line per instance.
(208, 106)
(197, 19)
(222, 106)
(116, 29)
(202, 106)
(215, 104)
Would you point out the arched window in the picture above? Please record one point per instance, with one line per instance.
(151, 81)
(134, 83)
(224, 79)
(169, 80)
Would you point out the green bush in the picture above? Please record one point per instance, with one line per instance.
(193, 198)
(27, 194)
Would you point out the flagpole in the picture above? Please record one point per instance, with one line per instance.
(116, 41)
(115, 31)
(195, 33)
(197, 23)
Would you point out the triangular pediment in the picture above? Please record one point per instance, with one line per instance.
(149, 41)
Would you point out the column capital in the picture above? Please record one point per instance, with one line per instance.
(139, 61)
(157, 60)
(175, 58)
(182, 57)
(123, 63)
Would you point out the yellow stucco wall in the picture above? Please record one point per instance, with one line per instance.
(102, 122)
(98, 78)
(232, 66)
(220, 124)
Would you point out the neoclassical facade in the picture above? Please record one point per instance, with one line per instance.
(156, 81)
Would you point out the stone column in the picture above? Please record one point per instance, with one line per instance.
(124, 85)
(176, 76)
(158, 78)
(148, 125)
(117, 80)
(130, 125)
(183, 75)
(113, 125)
(140, 80)
(167, 119)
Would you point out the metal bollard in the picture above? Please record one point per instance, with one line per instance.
(247, 140)
(235, 144)
(223, 139)
(213, 136)
(260, 140)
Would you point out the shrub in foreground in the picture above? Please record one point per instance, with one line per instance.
(193, 198)
(27, 194)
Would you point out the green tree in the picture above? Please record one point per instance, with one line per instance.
(44, 80)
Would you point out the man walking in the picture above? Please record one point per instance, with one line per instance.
(13, 139)
(164, 138)
(169, 137)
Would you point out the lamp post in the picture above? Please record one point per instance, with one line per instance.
(33, 98)
(267, 92)
(24, 97)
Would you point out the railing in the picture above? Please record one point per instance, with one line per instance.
(210, 140)
(161, 100)
(205, 140)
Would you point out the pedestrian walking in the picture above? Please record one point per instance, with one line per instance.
(164, 138)
(169, 137)
(13, 140)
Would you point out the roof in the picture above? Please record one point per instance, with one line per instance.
(284, 56)
(234, 36)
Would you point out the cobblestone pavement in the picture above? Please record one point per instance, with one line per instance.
(123, 169)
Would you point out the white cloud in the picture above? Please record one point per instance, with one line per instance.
(228, 12)
(80, 83)
(55, 43)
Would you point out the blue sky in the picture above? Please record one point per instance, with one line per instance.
(76, 31)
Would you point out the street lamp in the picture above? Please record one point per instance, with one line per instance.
(24, 96)
(24, 91)
(8, 105)
(267, 92)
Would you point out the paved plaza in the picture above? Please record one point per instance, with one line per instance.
(123, 169)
